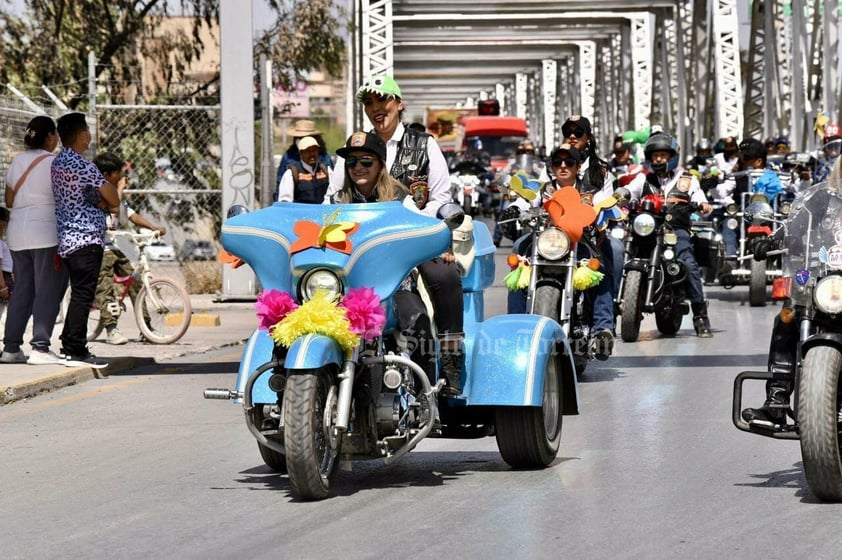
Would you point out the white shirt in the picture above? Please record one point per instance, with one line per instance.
(725, 165)
(32, 224)
(5, 257)
(438, 178)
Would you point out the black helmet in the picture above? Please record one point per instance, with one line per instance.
(662, 143)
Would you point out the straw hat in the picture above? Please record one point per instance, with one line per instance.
(302, 128)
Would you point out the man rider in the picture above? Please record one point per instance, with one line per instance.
(565, 162)
(831, 147)
(783, 346)
(678, 187)
(727, 159)
(752, 155)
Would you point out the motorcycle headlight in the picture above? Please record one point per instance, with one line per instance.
(828, 295)
(785, 208)
(731, 223)
(618, 233)
(644, 224)
(731, 209)
(320, 279)
(669, 254)
(553, 244)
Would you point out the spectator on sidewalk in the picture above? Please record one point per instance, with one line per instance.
(32, 240)
(83, 199)
(114, 261)
(305, 180)
(7, 281)
(302, 128)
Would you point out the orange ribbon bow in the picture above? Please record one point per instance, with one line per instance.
(568, 213)
(333, 235)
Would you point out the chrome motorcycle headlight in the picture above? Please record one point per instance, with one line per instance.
(320, 279)
(828, 295)
(731, 209)
(553, 244)
(644, 224)
(731, 223)
(668, 254)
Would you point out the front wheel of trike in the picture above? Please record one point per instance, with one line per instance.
(818, 420)
(529, 436)
(312, 447)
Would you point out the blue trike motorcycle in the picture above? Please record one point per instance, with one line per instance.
(316, 390)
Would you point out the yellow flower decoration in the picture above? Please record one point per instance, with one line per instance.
(320, 315)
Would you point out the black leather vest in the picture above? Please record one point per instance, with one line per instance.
(412, 166)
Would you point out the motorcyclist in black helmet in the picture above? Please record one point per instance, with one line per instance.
(669, 179)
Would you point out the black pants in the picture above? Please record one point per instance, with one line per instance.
(83, 269)
(444, 284)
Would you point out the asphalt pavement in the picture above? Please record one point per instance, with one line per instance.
(215, 324)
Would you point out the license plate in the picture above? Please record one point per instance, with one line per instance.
(670, 238)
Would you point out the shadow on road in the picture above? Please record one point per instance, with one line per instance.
(788, 478)
(693, 361)
(417, 469)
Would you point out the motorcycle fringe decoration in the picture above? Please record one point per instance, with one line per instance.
(585, 277)
(359, 314)
(518, 278)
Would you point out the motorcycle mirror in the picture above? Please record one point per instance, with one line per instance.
(622, 195)
(452, 214)
(236, 210)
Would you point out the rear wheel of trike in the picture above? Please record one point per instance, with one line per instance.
(757, 284)
(529, 436)
(818, 420)
(312, 448)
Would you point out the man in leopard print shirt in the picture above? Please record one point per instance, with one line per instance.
(83, 198)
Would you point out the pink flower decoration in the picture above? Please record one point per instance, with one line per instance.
(362, 308)
(272, 306)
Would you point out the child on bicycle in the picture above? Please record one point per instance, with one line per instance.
(114, 261)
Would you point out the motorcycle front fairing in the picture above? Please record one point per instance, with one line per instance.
(388, 232)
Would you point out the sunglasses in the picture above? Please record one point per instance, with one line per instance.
(352, 162)
(575, 132)
(568, 161)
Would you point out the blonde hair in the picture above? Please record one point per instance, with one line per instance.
(387, 187)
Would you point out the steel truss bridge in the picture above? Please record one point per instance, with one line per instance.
(626, 64)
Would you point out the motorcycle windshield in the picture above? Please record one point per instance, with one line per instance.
(372, 245)
(813, 237)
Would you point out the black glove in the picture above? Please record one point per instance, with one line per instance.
(510, 229)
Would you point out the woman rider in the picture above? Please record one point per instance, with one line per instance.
(414, 159)
(367, 180)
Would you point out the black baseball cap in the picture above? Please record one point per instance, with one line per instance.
(366, 142)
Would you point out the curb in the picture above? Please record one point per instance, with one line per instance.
(76, 375)
(71, 376)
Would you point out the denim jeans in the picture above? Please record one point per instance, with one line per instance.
(38, 293)
(83, 268)
(684, 252)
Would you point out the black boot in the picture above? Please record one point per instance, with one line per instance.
(700, 319)
(452, 363)
(773, 411)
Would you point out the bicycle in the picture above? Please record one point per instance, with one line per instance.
(162, 306)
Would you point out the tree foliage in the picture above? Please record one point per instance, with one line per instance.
(49, 43)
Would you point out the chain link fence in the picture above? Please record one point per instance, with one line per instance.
(172, 153)
(175, 179)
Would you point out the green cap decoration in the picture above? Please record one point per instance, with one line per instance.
(381, 85)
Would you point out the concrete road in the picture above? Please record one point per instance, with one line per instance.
(140, 466)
